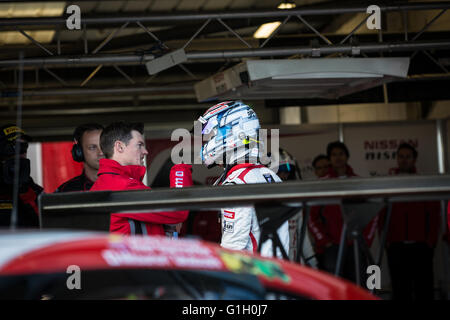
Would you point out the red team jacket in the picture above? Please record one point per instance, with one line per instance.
(325, 223)
(412, 221)
(114, 177)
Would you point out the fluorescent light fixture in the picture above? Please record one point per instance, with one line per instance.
(29, 10)
(14, 37)
(287, 5)
(266, 29)
(32, 9)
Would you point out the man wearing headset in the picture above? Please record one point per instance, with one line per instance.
(86, 149)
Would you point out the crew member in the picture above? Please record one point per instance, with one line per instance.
(123, 168)
(412, 237)
(11, 138)
(86, 149)
(321, 165)
(326, 222)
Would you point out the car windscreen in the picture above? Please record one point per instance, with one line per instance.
(134, 284)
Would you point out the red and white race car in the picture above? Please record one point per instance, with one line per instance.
(88, 265)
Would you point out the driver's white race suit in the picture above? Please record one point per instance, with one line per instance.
(240, 228)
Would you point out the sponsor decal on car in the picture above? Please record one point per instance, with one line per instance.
(245, 264)
(160, 252)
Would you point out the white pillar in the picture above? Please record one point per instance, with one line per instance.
(35, 155)
(290, 115)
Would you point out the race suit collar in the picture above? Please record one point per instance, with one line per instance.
(243, 165)
(109, 166)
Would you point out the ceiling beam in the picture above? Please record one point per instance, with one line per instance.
(134, 59)
(177, 17)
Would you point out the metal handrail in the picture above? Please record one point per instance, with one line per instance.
(398, 188)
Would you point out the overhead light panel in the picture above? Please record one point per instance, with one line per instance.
(265, 30)
(287, 5)
(329, 78)
(29, 10)
(32, 9)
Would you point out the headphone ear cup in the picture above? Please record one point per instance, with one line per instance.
(77, 153)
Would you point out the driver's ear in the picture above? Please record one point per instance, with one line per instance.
(118, 146)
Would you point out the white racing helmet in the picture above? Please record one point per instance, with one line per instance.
(231, 129)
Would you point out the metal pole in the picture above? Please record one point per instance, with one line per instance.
(302, 236)
(356, 256)
(314, 30)
(34, 41)
(341, 252)
(228, 54)
(428, 24)
(224, 15)
(15, 208)
(441, 144)
(384, 234)
(275, 31)
(398, 188)
(341, 132)
(324, 50)
(445, 248)
(108, 38)
(235, 33)
(71, 92)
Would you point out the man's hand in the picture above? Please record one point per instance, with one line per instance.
(181, 176)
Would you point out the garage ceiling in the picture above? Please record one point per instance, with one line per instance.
(71, 76)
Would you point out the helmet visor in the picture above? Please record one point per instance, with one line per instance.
(209, 125)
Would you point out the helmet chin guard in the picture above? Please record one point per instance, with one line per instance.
(232, 130)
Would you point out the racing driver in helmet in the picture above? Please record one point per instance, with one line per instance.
(231, 132)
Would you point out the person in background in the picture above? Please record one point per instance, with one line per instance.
(11, 138)
(288, 168)
(86, 149)
(123, 169)
(326, 222)
(412, 237)
(321, 165)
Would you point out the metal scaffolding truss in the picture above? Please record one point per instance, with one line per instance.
(93, 58)
(97, 58)
(332, 10)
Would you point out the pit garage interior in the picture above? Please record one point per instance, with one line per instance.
(320, 75)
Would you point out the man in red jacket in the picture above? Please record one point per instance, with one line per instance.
(123, 168)
(411, 238)
(326, 222)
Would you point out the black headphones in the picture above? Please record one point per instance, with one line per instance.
(77, 152)
(77, 149)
